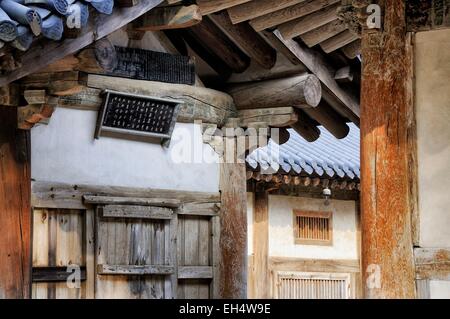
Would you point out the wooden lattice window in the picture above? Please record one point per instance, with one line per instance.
(300, 285)
(313, 228)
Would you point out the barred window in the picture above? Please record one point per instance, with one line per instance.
(313, 228)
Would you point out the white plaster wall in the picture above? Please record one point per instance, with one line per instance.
(66, 151)
(250, 212)
(281, 234)
(432, 68)
(439, 289)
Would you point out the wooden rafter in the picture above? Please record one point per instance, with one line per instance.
(322, 33)
(257, 8)
(338, 41)
(290, 13)
(317, 64)
(211, 37)
(211, 6)
(165, 18)
(353, 49)
(248, 39)
(310, 22)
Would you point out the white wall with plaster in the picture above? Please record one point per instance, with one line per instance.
(281, 228)
(439, 289)
(433, 129)
(65, 151)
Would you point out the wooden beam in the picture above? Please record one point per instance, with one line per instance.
(212, 6)
(301, 91)
(200, 103)
(274, 117)
(352, 50)
(99, 57)
(68, 63)
(323, 33)
(200, 209)
(10, 95)
(246, 38)
(233, 231)
(126, 3)
(90, 100)
(58, 83)
(294, 28)
(257, 8)
(188, 43)
(15, 216)
(290, 13)
(55, 274)
(261, 246)
(338, 41)
(134, 270)
(171, 2)
(330, 119)
(344, 75)
(280, 47)
(412, 156)
(140, 212)
(195, 272)
(295, 188)
(306, 127)
(318, 65)
(67, 196)
(133, 201)
(51, 51)
(432, 263)
(209, 35)
(35, 96)
(165, 18)
(385, 100)
(283, 68)
(314, 265)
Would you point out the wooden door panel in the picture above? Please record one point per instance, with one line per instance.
(132, 242)
(58, 237)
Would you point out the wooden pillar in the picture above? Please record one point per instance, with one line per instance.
(233, 227)
(15, 211)
(261, 246)
(386, 99)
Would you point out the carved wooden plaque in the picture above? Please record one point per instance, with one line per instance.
(137, 117)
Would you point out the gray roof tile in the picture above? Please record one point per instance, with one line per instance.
(328, 156)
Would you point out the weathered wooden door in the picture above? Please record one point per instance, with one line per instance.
(59, 245)
(197, 256)
(126, 247)
(135, 252)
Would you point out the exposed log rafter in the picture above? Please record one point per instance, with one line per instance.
(347, 105)
(165, 18)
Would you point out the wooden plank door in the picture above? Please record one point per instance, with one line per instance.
(127, 247)
(135, 256)
(197, 256)
(59, 245)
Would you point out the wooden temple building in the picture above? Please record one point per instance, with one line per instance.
(224, 149)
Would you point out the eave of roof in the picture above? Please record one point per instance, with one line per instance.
(326, 157)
